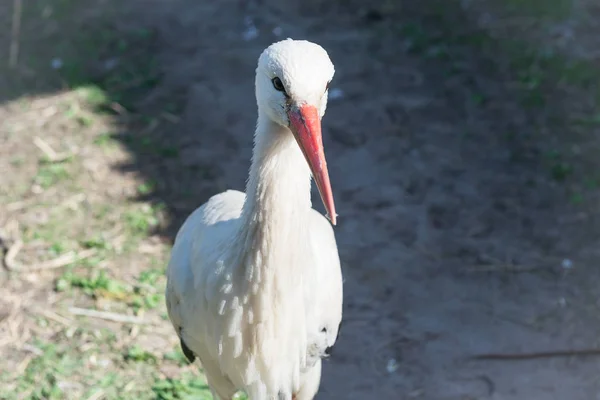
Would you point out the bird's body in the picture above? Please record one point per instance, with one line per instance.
(254, 280)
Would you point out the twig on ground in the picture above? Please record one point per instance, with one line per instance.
(13, 57)
(171, 117)
(22, 366)
(11, 254)
(535, 355)
(62, 261)
(48, 151)
(119, 109)
(16, 334)
(45, 148)
(32, 349)
(51, 315)
(109, 316)
(19, 205)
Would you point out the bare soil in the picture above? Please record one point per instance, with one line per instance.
(464, 168)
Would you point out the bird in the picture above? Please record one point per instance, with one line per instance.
(254, 282)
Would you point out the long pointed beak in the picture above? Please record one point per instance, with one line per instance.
(306, 127)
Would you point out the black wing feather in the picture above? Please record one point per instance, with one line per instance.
(187, 352)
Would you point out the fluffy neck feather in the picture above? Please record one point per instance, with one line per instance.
(275, 255)
(278, 187)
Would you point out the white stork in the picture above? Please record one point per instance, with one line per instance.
(254, 280)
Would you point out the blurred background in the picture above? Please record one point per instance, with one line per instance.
(462, 139)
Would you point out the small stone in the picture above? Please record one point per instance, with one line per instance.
(392, 365)
(251, 31)
(335, 94)
(111, 64)
(562, 302)
(56, 63)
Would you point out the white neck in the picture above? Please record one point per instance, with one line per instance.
(278, 187)
(274, 253)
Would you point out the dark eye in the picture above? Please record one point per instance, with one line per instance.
(278, 85)
(327, 87)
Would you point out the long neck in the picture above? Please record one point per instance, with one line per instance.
(278, 187)
(273, 253)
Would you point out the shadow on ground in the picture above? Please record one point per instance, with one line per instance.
(162, 77)
(463, 166)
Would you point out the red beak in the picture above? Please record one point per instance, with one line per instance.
(306, 127)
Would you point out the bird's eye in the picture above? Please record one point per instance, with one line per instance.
(327, 87)
(278, 85)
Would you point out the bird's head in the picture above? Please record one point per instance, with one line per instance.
(292, 82)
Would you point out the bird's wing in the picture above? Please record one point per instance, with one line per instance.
(191, 288)
(328, 287)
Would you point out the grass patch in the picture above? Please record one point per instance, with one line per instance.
(187, 387)
(106, 140)
(50, 174)
(93, 95)
(139, 221)
(59, 373)
(99, 284)
(96, 242)
(146, 293)
(146, 188)
(176, 356)
(136, 354)
(45, 377)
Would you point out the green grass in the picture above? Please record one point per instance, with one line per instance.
(42, 377)
(57, 373)
(106, 141)
(139, 221)
(136, 354)
(97, 284)
(96, 242)
(187, 387)
(146, 293)
(93, 95)
(50, 174)
(146, 188)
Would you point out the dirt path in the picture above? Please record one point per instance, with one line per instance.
(457, 235)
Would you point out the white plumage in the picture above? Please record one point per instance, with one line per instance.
(254, 280)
